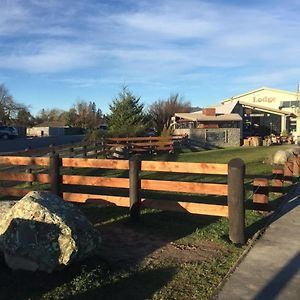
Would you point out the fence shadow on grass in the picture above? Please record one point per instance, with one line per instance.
(113, 273)
(135, 286)
(126, 244)
(91, 279)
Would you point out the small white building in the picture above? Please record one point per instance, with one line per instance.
(47, 129)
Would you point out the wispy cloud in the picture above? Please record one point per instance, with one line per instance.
(50, 57)
(275, 77)
(146, 39)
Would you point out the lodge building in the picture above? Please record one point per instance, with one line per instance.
(267, 111)
(259, 112)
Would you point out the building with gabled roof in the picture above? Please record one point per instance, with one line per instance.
(267, 111)
(260, 112)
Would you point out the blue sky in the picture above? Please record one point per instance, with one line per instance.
(55, 52)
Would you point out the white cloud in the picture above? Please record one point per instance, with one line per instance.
(51, 57)
(271, 77)
(154, 41)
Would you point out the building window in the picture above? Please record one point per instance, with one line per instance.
(286, 104)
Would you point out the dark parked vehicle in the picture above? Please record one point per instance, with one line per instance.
(8, 132)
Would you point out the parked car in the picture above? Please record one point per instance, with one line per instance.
(8, 132)
(151, 132)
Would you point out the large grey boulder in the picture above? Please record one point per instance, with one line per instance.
(5, 206)
(281, 157)
(43, 232)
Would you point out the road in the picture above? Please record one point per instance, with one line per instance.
(19, 144)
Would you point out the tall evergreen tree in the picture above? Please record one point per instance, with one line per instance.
(127, 116)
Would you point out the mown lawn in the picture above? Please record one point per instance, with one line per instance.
(163, 256)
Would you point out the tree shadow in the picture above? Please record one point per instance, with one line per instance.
(126, 243)
(137, 286)
(94, 277)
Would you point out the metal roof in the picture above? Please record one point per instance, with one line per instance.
(200, 117)
(264, 108)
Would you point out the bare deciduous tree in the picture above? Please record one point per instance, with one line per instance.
(161, 111)
(10, 110)
(50, 115)
(84, 114)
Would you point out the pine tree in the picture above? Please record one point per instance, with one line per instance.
(127, 116)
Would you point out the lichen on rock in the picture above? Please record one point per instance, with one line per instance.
(43, 232)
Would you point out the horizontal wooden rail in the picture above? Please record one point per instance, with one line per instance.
(185, 187)
(82, 198)
(162, 148)
(24, 161)
(26, 177)
(160, 143)
(194, 208)
(147, 149)
(95, 163)
(9, 191)
(234, 189)
(143, 138)
(183, 167)
(96, 181)
(139, 144)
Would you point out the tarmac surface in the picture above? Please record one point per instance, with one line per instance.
(20, 143)
(271, 269)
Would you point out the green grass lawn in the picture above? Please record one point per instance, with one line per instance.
(164, 256)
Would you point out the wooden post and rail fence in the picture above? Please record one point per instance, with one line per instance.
(282, 176)
(234, 189)
(104, 147)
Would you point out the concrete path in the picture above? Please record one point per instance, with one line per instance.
(271, 269)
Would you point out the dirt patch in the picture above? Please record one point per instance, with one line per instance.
(181, 253)
(123, 246)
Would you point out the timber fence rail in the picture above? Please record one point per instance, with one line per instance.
(282, 176)
(59, 183)
(106, 146)
(149, 144)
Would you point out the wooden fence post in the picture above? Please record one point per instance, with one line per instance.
(29, 169)
(55, 177)
(288, 172)
(260, 194)
(52, 148)
(134, 187)
(102, 142)
(71, 149)
(71, 152)
(84, 151)
(236, 198)
(296, 165)
(95, 151)
(277, 181)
